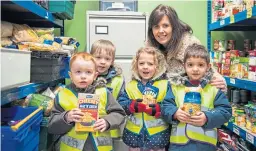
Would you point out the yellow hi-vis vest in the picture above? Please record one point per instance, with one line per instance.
(182, 133)
(135, 122)
(116, 85)
(74, 141)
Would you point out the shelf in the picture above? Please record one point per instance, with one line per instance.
(10, 95)
(28, 12)
(242, 132)
(241, 83)
(242, 21)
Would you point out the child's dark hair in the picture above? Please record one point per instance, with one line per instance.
(198, 51)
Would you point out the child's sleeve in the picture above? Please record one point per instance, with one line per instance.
(168, 106)
(57, 124)
(115, 113)
(125, 102)
(221, 113)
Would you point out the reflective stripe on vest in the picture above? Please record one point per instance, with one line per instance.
(75, 141)
(135, 121)
(116, 85)
(183, 132)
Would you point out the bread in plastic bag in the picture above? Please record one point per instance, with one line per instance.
(6, 42)
(23, 33)
(6, 29)
(43, 31)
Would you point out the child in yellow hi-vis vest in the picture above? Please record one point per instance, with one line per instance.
(65, 112)
(194, 127)
(104, 53)
(145, 129)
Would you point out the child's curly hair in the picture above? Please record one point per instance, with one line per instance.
(159, 58)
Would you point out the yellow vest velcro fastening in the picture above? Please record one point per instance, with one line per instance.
(116, 85)
(74, 141)
(135, 121)
(181, 133)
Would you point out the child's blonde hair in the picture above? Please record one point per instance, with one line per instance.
(84, 55)
(103, 45)
(159, 58)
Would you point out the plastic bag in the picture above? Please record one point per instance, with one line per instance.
(23, 33)
(40, 100)
(6, 29)
(43, 31)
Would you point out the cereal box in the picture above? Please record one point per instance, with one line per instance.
(150, 95)
(88, 104)
(192, 100)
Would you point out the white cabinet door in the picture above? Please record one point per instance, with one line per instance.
(126, 30)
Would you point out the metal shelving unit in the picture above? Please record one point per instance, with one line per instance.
(241, 83)
(242, 132)
(10, 95)
(28, 12)
(242, 21)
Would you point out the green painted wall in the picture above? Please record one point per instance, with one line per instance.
(77, 27)
(187, 10)
(191, 12)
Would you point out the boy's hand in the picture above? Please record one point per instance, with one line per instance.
(198, 120)
(74, 115)
(101, 125)
(182, 116)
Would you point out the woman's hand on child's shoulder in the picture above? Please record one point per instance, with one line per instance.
(182, 116)
(198, 120)
(219, 82)
(101, 125)
(74, 115)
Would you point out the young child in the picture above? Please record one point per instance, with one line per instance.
(104, 54)
(65, 113)
(145, 130)
(196, 132)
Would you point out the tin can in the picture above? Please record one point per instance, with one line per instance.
(247, 44)
(231, 45)
(222, 45)
(216, 45)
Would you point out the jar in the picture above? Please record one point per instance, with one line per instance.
(216, 45)
(247, 44)
(222, 45)
(231, 45)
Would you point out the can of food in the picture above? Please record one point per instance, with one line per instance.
(247, 44)
(222, 45)
(216, 45)
(231, 45)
